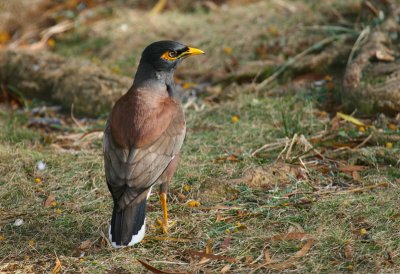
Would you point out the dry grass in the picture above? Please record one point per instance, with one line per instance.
(253, 209)
(246, 200)
(237, 37)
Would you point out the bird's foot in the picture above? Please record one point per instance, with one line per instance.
(164, 225)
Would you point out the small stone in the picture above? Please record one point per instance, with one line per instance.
(18, 222)
(41, 165)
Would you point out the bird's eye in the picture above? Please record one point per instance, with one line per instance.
(172, 53)
(169, 55)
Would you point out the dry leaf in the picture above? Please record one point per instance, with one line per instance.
(57, 267)
(363, 232)
(348, 253)
(4, 37)
(395, 216)
(267, 257)
(330, 86)
(328, 78)
(204, 260)
(51, 198)
(219, 160)
(227, 50)
(390, 257)
(31, 243)
(273, 30)
(235, 119)
(209, 247)
(51, 42)
(356, 176)
(232, 158)
(389, 145)
(384, 56)
(186, 85)
(240, 226)
(226, 268)
(335, 123)
(153, 269)
(248, 259)
(194, 253)
(193, 203)
(289, 262)
(227, 242)
(158, 7)
(180, 195)
(392, 127)
(350, 119)
(352, 168)
(85, 245)
(322, 114)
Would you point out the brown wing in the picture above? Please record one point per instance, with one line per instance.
(132, 170)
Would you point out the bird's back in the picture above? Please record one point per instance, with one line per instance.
(143, 134)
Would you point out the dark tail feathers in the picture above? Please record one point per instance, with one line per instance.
(128, 225)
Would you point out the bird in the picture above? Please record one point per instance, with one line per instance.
(144, 133)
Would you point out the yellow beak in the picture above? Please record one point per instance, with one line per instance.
(191, 51)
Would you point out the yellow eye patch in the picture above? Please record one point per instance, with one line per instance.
(169, 55)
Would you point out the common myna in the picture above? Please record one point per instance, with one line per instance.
(142, 139)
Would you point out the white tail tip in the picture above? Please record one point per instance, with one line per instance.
(135, 238)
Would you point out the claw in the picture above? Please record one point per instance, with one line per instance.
(164, 229)
(164, 226)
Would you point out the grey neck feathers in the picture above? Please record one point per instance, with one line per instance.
(150, 79)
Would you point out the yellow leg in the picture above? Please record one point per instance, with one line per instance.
(163, 199)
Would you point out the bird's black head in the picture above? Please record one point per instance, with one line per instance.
(166, 55)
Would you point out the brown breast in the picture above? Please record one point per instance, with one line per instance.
(140, 117)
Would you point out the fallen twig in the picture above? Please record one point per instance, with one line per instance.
(46, 35)
(167, 262)
(352, 190)
(361, 189)
(269, 147)
(168, 239)
(363, 142)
